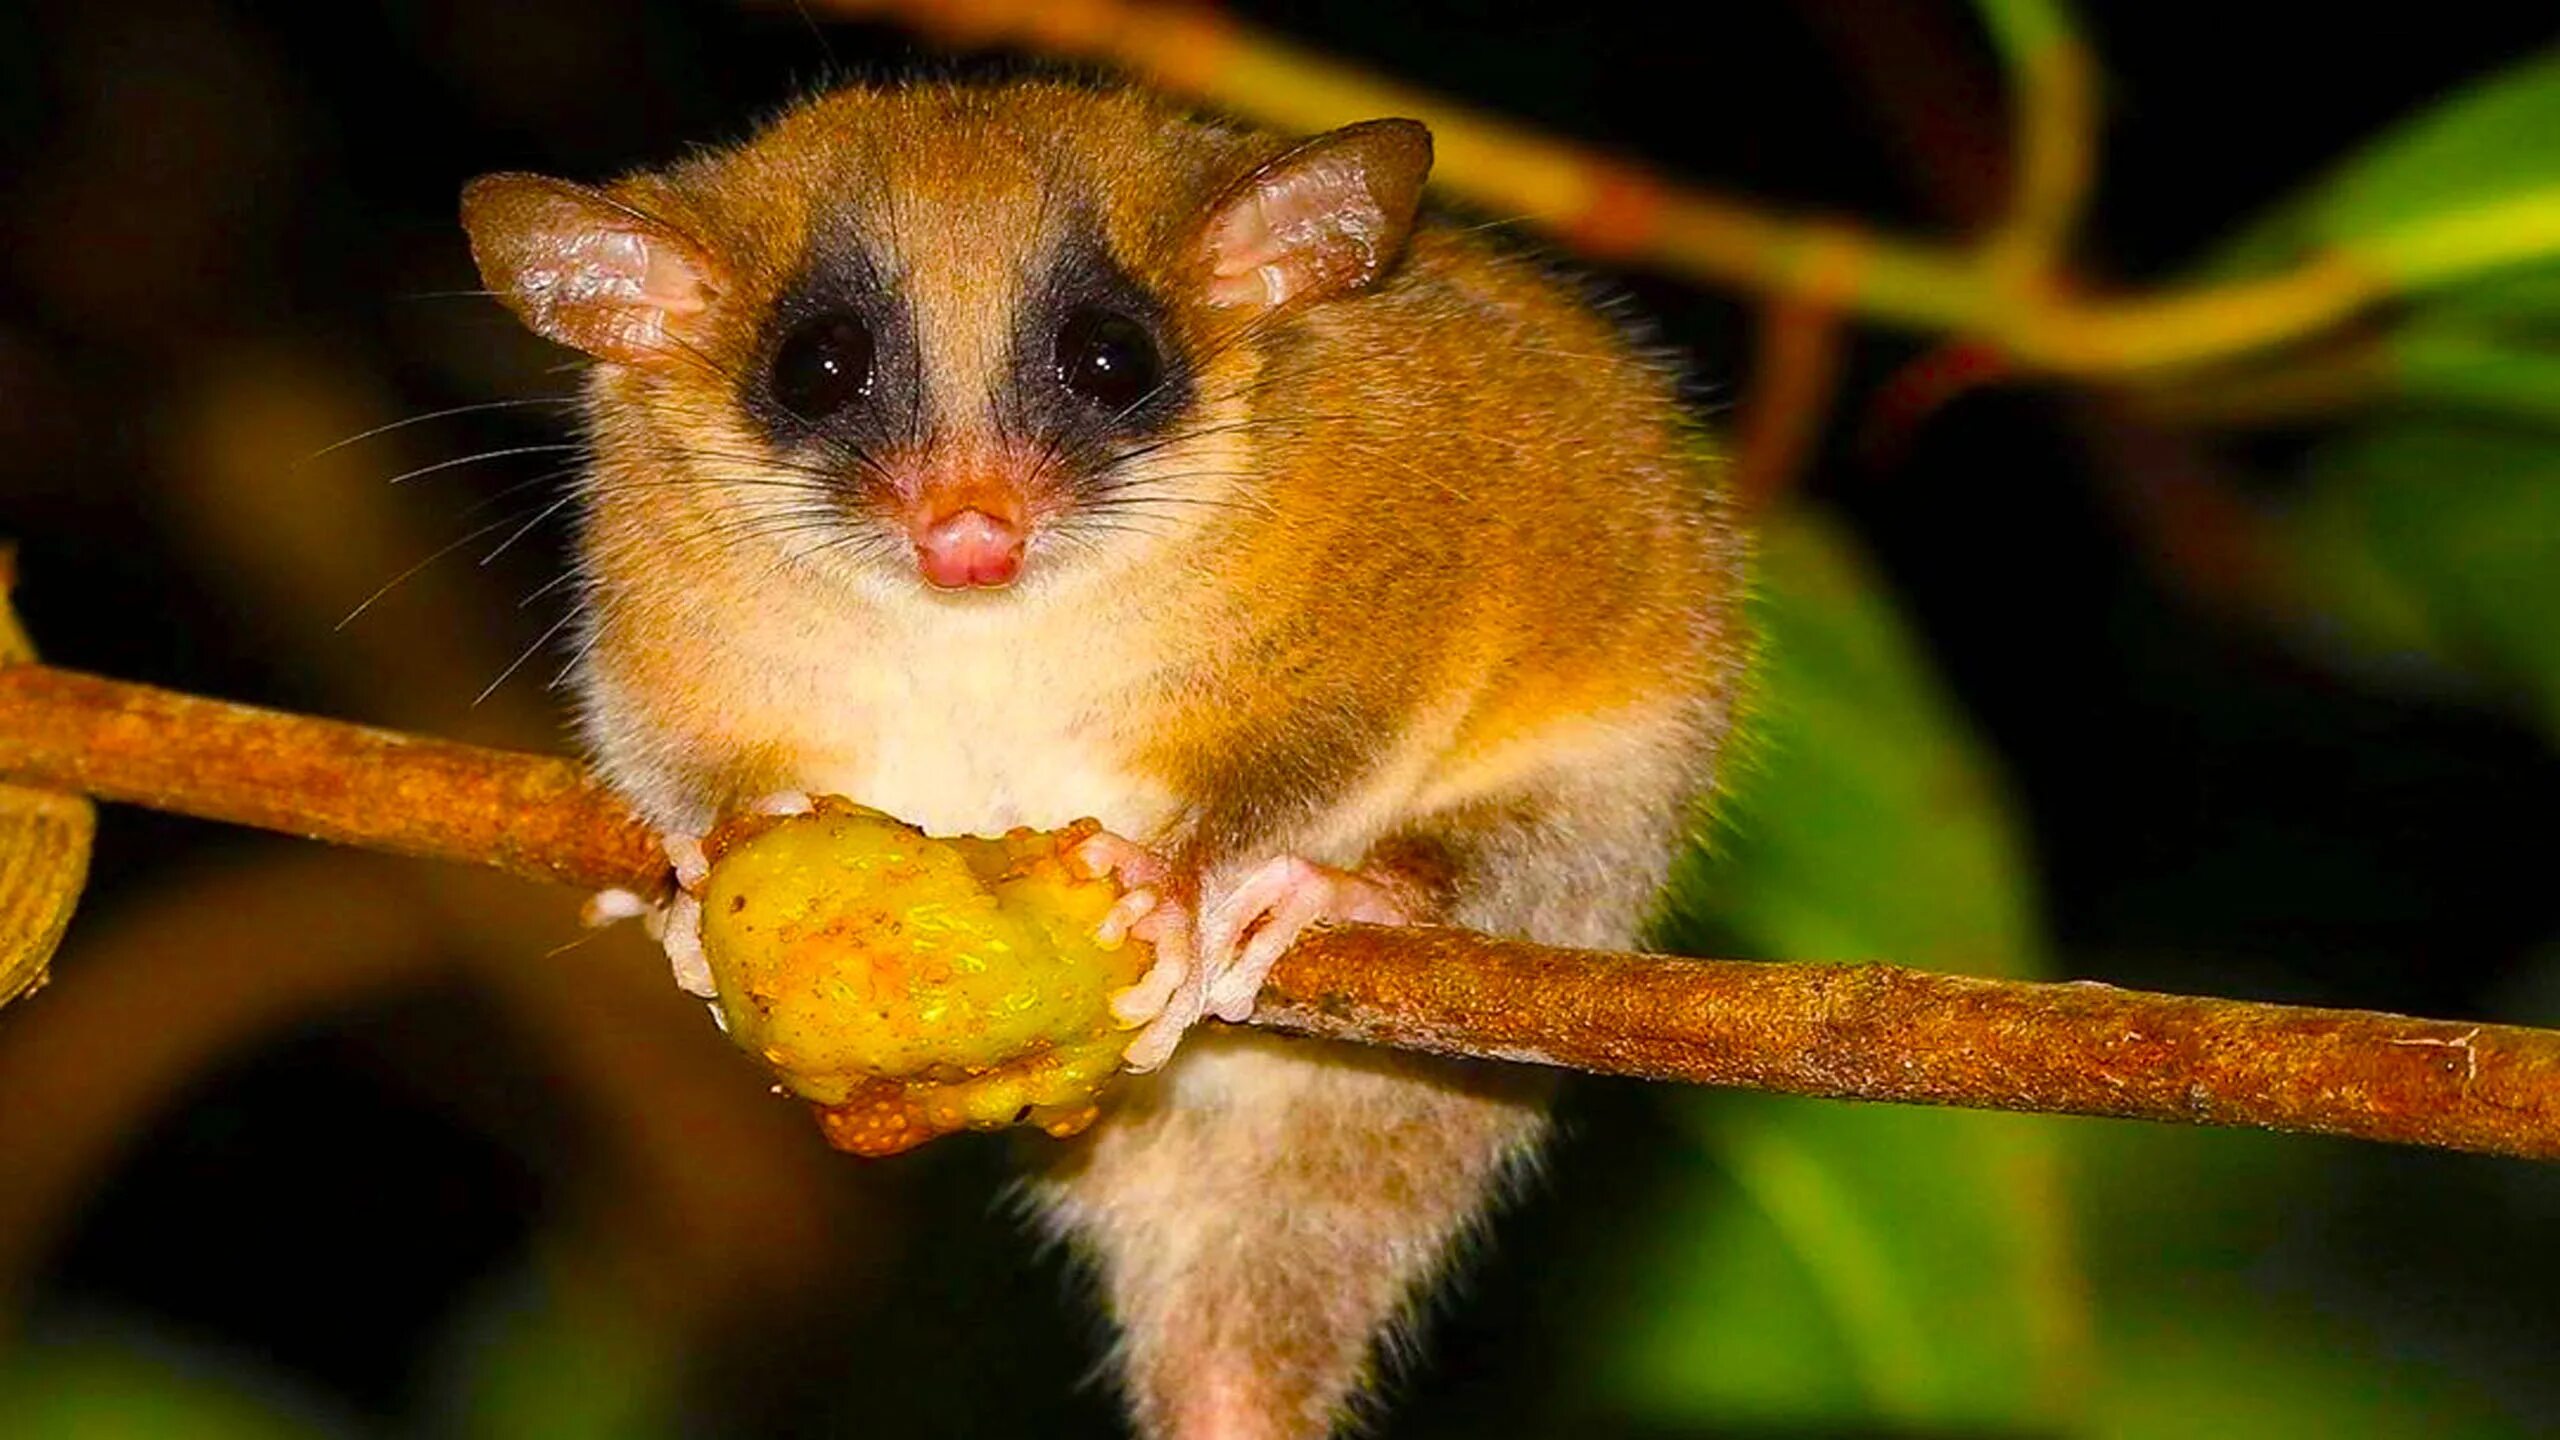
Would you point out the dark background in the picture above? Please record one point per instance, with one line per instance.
(200, 195)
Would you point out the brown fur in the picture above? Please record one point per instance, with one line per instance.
(1453, 595)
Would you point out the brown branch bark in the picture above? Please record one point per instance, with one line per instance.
(537, 816)
(1883, 1032)
(1859, 1032)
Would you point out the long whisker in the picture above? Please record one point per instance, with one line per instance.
(441, 551)
(518, 663)
(446, 413)
(460, 460)
(569, 666)
(510, 491)
(565, 577)
(527, 528)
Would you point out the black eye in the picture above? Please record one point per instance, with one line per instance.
(1107, 358)
(824, 365)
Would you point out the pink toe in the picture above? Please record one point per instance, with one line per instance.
(1105, 855)
(1123, 917)
(1141, 1003)
(684, 852)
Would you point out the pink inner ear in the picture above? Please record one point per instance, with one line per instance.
(617, 267)
(613, 289)
(1312, 227)
(584, 268)
(671, 284)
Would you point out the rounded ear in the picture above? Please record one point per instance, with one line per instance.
(584, 269)
(1325, 219)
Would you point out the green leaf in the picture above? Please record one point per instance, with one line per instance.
(2460, 208)
(2522, 306)
(111, 1386)
(1827, 1265)
(2466, 189)
(2223, 1362)
(2444, 359)
(2025, 30)
(2201, 1336)
(1821, 1264)
(556, 1353)
(1865, 822)
(2438, 540)
(2429, 542)
(2490, 141)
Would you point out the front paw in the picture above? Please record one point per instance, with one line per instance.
(1247, 927)
(1212, 960)
(1168, 1000)
(678, 924)
(679, 921)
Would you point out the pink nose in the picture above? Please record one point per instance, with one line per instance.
(969, 547)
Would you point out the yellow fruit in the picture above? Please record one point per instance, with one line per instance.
(911, 985)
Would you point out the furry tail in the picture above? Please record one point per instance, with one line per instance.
(1267, 1208)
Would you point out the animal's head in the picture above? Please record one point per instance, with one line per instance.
(944, 336)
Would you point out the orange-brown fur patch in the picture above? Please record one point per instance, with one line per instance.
(1437, 579)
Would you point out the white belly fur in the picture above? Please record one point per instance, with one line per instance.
(956, 755)
(974, 728)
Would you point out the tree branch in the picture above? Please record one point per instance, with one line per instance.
(535, 816)
(1858, 1032)
(2006, 288)
(1884, 1032)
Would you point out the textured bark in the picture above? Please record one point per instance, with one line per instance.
(1861, 1032)
(537, 816)
(1883, 1032)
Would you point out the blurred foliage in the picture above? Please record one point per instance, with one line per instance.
(544, 1356)
(112, 1387)
(1824, 1266)
(683, 1250)
(1827, 1265)
(2429, 531)
(1834, 1262)
(2436, 540)
(2423, 533)
(2488, 141)
(2439, 183)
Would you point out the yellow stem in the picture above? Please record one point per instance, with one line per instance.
(2004, 289)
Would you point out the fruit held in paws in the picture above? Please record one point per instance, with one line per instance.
(911, 985)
